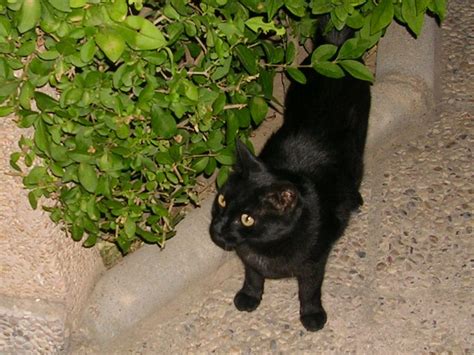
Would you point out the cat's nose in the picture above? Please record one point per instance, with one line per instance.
(216, 228)
(221, 238)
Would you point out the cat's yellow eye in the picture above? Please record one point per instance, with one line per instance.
(221, 200)
(247, 220)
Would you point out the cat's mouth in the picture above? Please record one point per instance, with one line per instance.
(228, 247)
(223, 244)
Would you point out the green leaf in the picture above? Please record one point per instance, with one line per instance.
(79, 157)
(381, 16)
(77, 231)
(200, 164)
(58, 153)
(164, 158)
(223, 70)
(290, 53)
(412, 18)
(439, 8)
(170, 12)
(92, 210)
(111, 43)
(123, 243)
(247, 58)
(122, 131)
(254, 5)
(14, 157)
(211, 167)
(45, 102)
(33, 199)
(323, 53)
(257, 23)
(353, 48)
(225, 157)
(148, 36)
(71, 96)
(357, 70)
(421, 6)
(130, 228)
(88, 51)
(296, 7)
(29, 15)
(56, 170)
(172, 178)
(35, 176)
(103, 186)
(355, 20)
(26, 49)
(338, 24)
(222, 176)
(232, 127)
(8, 88)
(117, 10)
(6, 110)
(77, 3)
(296, 75)
(219, 104)
(214, 142)
(49, 55)
(341, 13)
(159, 210)
(147, 237)
(321, 7)
(162, 122)
(29, 158)
(87, 177)
(26, 94)
(191, 91)
(61, 5)
(273, 6)
(266, 80)
(329, 69)
(92, 238)
(175, 153)
(5, 27)
(258, 109)
(42, 138)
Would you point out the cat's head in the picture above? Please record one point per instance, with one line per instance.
(255, 206)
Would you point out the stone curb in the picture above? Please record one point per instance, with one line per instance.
(148, 279)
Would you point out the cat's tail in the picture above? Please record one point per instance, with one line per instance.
(326, 35)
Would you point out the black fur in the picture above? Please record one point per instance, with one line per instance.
(300, 192)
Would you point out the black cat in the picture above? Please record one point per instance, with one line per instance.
(282, 211)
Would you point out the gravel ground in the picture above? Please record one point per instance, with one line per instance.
(399, 281)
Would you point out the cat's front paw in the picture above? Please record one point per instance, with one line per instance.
(314, 321)
(244, 302)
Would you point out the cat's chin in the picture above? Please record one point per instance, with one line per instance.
(224, 245)
(228, 247)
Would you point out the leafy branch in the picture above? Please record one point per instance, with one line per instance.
(147, 96)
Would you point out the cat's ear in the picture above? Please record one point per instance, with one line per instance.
(283, 197)
(246, 162)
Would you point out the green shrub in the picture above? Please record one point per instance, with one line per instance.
(147, 96)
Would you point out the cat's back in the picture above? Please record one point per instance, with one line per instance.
(324, 119)
(326, 105)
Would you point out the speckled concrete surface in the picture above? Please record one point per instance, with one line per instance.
(38, 263)
(399, 281)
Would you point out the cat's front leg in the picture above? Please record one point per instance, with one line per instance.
(312, 314)
(249, 297)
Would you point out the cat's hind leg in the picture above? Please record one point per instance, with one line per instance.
(249, 297)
